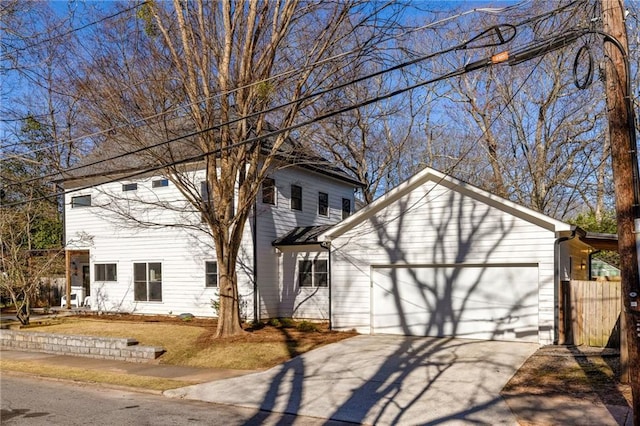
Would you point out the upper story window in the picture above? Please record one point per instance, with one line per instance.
(346, 208)
(159, 183)
(323, 204)
(129, 186)
(81, 201)
(296, 197)
(269, 191)
(207, 199)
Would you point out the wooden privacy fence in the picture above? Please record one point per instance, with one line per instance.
(590, 313)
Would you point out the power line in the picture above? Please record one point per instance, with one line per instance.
(501, 38)
(286, 73)
(458, 72)
(73, 30)
(465, 45)
(416, 204)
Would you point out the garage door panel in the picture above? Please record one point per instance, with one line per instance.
(479, 302)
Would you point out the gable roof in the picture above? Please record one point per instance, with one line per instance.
(431, 175)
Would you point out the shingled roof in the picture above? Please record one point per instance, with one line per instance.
(117, 155)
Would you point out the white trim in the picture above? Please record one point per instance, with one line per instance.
(440, 178)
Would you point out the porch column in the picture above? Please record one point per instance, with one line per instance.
(67, 256)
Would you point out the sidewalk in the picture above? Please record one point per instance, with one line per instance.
(528, 409)
(189, 374)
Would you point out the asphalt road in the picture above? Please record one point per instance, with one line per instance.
(33, 401)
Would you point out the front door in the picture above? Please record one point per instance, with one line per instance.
(86, 280)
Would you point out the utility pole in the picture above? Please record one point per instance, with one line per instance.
(625, 168)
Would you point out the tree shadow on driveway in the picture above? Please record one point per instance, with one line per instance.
(381, 380)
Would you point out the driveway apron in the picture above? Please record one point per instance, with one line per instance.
(382, 380)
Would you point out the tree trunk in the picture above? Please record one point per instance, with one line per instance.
(229, 323)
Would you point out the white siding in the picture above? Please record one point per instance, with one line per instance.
(301, 302)
(111, 237)
(275, 221)
(436, 225)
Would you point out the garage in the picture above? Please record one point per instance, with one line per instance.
(436, 256)
(492, 302)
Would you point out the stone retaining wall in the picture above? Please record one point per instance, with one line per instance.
(87, 346)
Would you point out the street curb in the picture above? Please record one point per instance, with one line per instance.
(83, 383)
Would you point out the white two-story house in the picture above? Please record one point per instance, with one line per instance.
(137, 245)
(434, 256)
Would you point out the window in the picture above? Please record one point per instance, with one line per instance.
(305, 275)
(207, 199)
(211, 274)
(129, 187)
(105, 272)
(296, 197)
(323, 204)
(159, 183)
(147, 282)
(313, 273)
(205, 194)
(346, 208)
(81, 201)
(269, 191)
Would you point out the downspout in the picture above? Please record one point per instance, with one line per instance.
(590, 259)
(556, 278)
(327, 245)
(254, 237)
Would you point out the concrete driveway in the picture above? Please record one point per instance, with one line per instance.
(382, 380)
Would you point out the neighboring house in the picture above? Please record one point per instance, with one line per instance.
(601, 269)
(433, 257)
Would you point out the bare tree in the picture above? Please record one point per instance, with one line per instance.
(197, 66)
(526, 132)
(38, 118)
(22, 266)
(378, 143)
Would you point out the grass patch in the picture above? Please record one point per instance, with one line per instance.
(177, 339)
(193, 344)
(91, 376)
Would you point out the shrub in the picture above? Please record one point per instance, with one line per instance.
(274, 322)
(307, 326)
(287, 323)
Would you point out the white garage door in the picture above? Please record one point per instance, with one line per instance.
(497, 302)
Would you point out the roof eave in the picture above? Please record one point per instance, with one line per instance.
(429, 174)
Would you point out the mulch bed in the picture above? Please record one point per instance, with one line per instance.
(579, 372)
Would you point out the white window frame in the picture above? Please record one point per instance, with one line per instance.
(345, 213)
(128, 187)
(318, 279)
(271, 191)
(207, 274)
(104, 274)
(160, 183)
(76, 205)
(326, 205)
(293, 185)
(150, 280)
